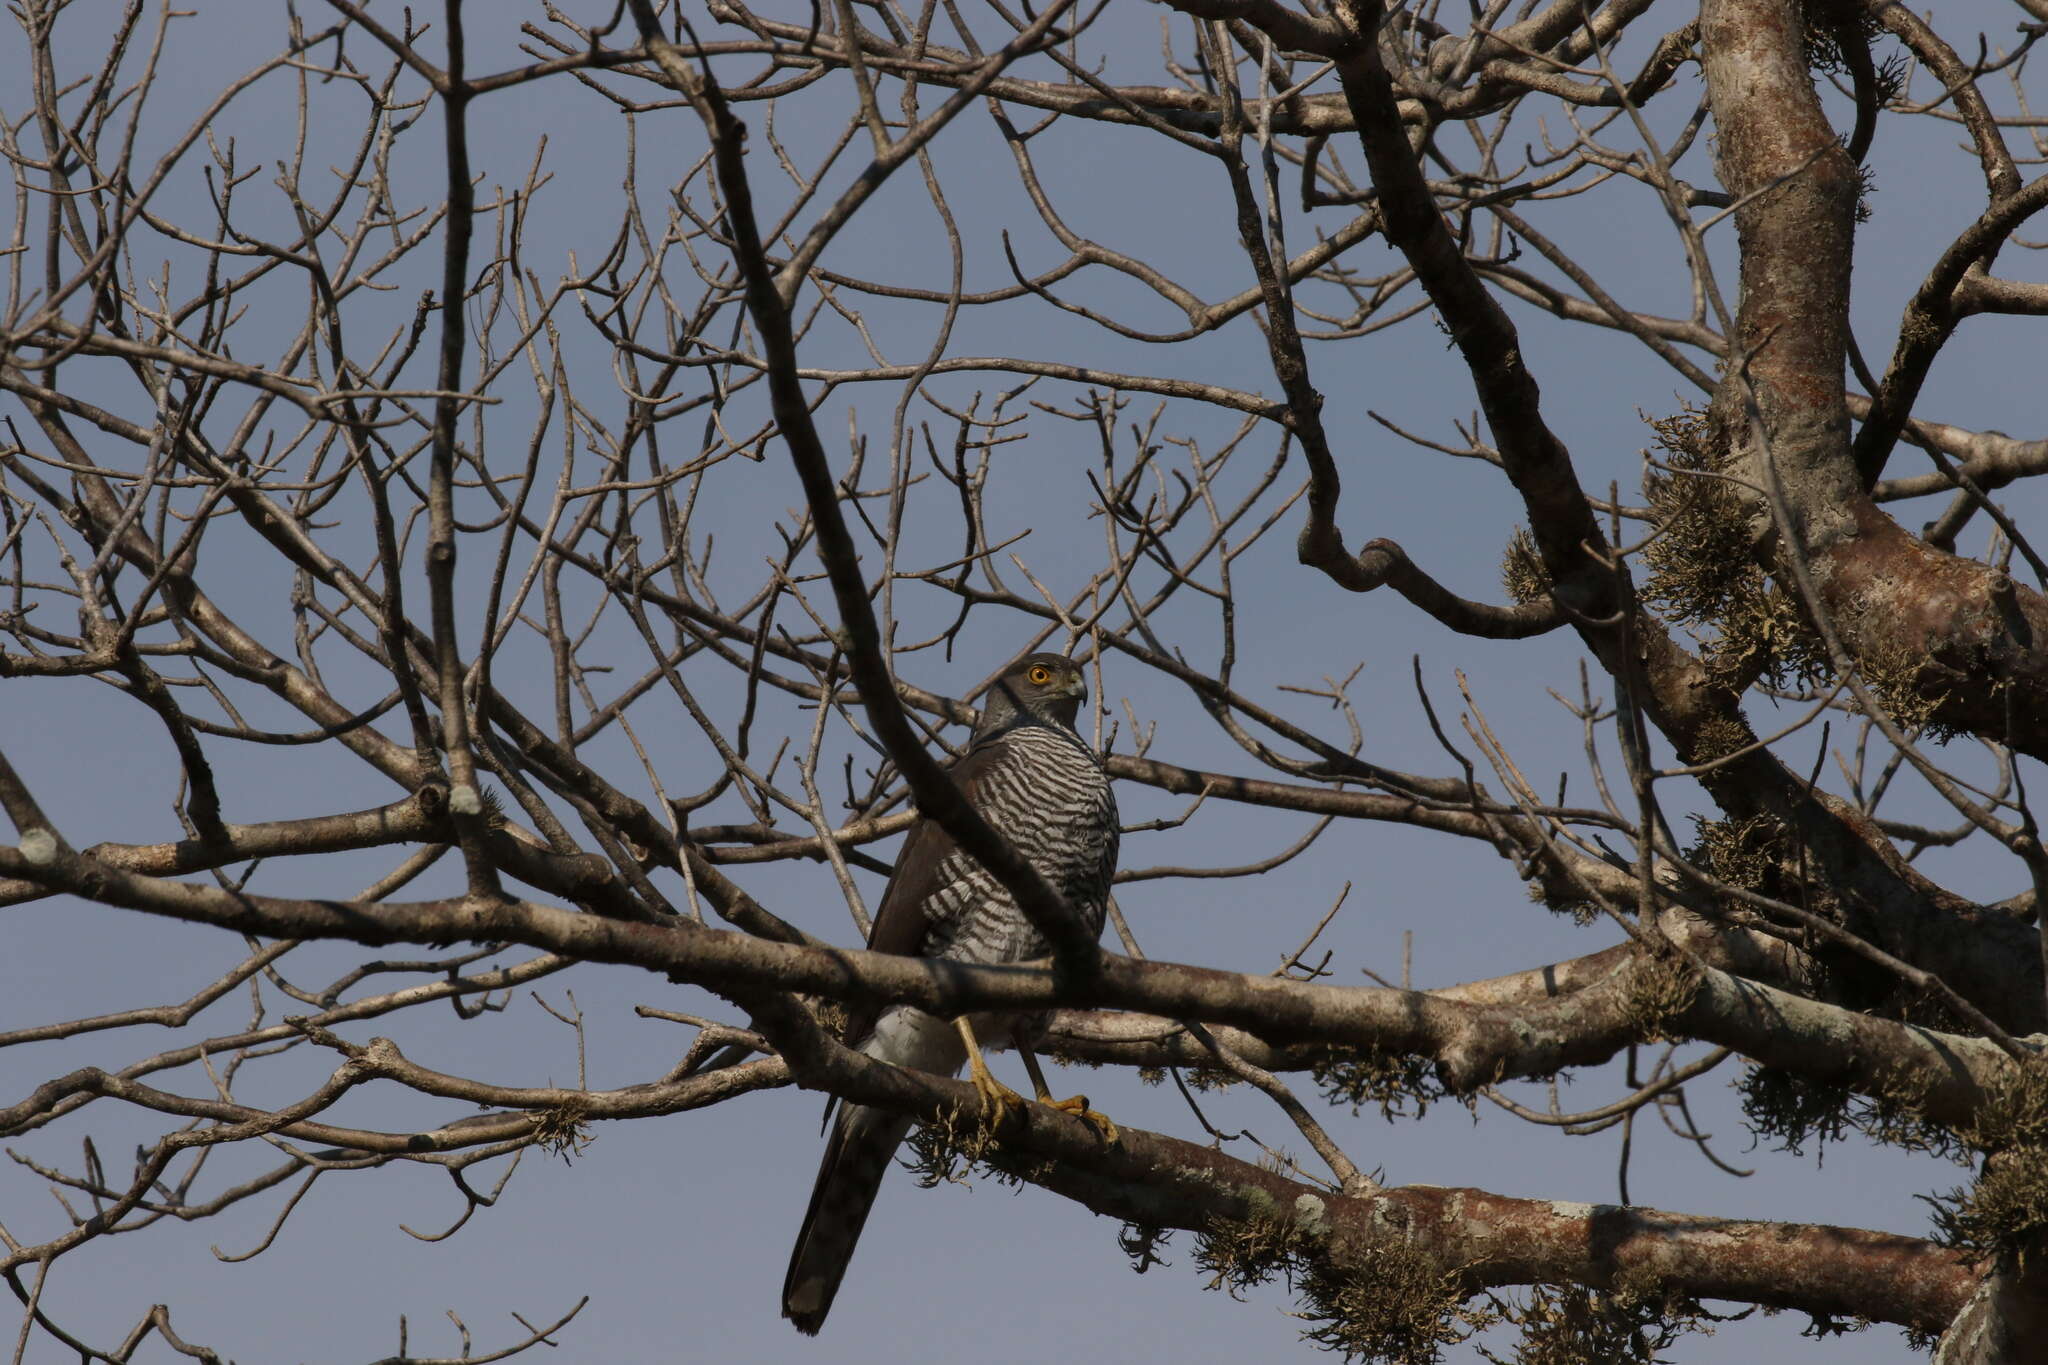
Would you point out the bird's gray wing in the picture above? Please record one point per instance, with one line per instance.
(903, 920)
(862, 1140)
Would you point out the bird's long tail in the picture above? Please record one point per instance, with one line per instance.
(857, 1156)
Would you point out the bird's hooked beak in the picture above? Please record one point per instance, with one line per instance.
(1077, 687)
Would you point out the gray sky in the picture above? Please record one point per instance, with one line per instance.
(679, 1229)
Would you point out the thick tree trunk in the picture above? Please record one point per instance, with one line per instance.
(2004, 1323)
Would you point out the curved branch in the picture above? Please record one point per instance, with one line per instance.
(1485, 1239)
(1560, 517)
(1931, 317)
(1383, 561)
(937, 796)
(1472, 1045)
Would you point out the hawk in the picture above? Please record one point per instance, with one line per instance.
(1038, 784)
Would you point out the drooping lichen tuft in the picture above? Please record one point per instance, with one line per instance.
(1792, 1112)
(1386, 1302)
(1720, 737)
(1521, 569)
(1703, 570)
(563, 1130)
(949, 1150)
(1660, 991)
(2015, 1112)
(1363, 1076)
(2005, 1213)
(1241, 1254)
(1908, 685)
(1142, 1242)
(1752, 853)
(1396, 1306)
(1632, 1324)
(1581, 910)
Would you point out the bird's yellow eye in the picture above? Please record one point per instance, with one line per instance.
(1040, 675)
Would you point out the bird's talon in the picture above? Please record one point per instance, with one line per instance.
(1078, 1107)
(1001, 1107)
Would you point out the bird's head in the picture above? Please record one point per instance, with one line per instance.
(1047, 688)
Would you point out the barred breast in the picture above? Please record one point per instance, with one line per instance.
(1045, 792)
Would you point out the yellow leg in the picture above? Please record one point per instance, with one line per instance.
(1077, 1105)
(1000, 1105)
